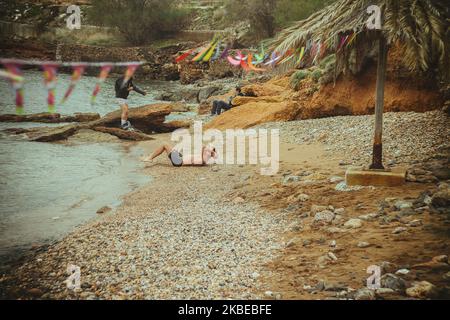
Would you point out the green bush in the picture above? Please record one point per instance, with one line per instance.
(297, 78)
(317, 74)
(140, 21)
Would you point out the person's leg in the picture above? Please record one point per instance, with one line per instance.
(214, 107)
(124, 116)
(164, 148)
(223, 106)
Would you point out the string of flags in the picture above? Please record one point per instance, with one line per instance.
(13, 73)
(311, 53)
(259, 62)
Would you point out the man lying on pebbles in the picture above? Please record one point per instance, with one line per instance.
(208, 156)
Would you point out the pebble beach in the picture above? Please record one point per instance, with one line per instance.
(182, 236)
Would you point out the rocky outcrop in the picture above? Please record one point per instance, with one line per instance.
(53, 134)
(147, 119)
(124, 134)
(276, 101)
(50, 117)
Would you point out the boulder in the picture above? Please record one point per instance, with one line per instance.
(440, 201)
(52, 134)
(148, 118)
(393, 282)
(50, 117)
(124, 134)
(422, 290)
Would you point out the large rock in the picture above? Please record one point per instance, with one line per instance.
(148, 119)
(52, 134)
(254, 113)
(124, 134)
(422, 290)
(50, 117)
(440, 201)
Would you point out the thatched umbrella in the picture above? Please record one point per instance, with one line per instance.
(421, 26)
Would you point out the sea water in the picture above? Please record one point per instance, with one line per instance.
(46, 190)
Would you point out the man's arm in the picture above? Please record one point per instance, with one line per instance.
(138, 90)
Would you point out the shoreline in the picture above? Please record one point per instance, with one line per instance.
(227, 232)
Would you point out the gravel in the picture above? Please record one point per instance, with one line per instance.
(408, 137)
(165, 242)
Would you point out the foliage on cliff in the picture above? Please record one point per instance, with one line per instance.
(140, 21)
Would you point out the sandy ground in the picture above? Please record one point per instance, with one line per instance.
(228, 232)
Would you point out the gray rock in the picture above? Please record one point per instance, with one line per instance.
(353, 224)
(422, 290)
(363, 244)
(393, 282)
(365, 294)
(291, 179)
(399, 230)
(323, 217)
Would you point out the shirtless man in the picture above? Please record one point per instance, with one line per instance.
(208, 156)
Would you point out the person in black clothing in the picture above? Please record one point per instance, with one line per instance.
(218, 105)
(122, 92)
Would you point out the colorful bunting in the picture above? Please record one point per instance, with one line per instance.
(104, 72)
(184, 56)
(76, 76)
(50, 79)
(129, 72)
(302, 54)
(251, 66)
(17, 84)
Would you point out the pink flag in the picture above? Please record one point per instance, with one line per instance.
(50, 78)
(104, 72)
(131, 69)
(78, 71)
(17, 84)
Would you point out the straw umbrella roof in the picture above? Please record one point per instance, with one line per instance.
(421, 26)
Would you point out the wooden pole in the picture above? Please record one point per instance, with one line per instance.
(377, 161)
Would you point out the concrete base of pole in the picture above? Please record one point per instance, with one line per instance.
(360, 176)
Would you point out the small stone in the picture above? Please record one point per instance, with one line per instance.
(393, 282)
(34, 292)
(323, 217)
(383, 291)
(268, 294)
(369, 216)
(103, 210)
(415, 223)
(442, 258)
(399, 230)
(339, 211)
(400, 204)
(422, 290)
(364, 294)
(402, 272)
(363, 244)
(291, 179)
(353, 224)
(333, 243)
(332, 256)
(255, 275)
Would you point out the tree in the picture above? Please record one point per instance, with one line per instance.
(420, 26)
(138, 20)
(260, 14)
